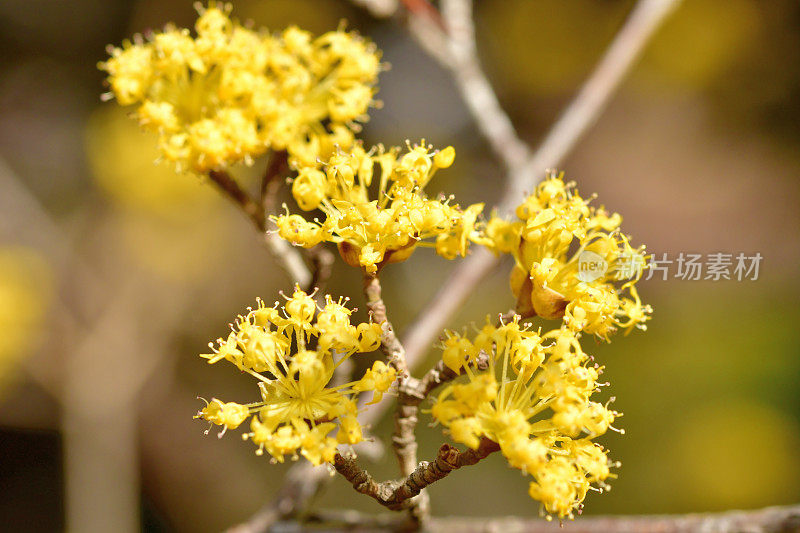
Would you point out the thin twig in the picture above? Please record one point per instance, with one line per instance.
(301, 484)
(288, 257)
(645, 18)
(347, 520)
(405, 445)
(390, 344)
(239, 196)
(404, 441)
(271, 182)
(440, 374)
(319, 258)
(424, 9)
(398, 495)
(322, 260)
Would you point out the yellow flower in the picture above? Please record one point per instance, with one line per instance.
(229, 93)
(293, 351)
(378, 378)
(572, 261)
(371, 233)
(533, 400)
(230, 415)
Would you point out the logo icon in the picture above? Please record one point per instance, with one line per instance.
(591, 266)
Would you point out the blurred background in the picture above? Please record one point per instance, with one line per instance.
(115, 273)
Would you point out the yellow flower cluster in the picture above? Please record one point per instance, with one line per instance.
(293, 351)
(230, 93)
(533, 400)
(571, 261)
(370, 233)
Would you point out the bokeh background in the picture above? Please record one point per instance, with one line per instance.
(115, 273)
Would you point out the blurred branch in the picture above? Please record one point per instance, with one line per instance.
(302, 482)
(768, 520)
(322, 260)
(583, 111)
(426, 26)
(32, 223)
(378, 8)
(102, 381)
(271, 182)
(288, 257)
(477, 92)
(101, 377)
(421, 334)
(579, 115)
(424, 9)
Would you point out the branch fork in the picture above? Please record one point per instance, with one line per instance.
(399, 495)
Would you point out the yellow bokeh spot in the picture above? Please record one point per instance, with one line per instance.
(26, 286)
(168, 220)
(548, 46)
(189, 251)
(701, 40)
(736, 454)
(122, 158)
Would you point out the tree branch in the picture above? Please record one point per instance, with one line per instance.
(378, 8)
(288, 257)
(239, 196)
(405, 445)
(404, 441)
(475, 89)
(439, 375)
(390, 344)
(583, 111)
(398, 495)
